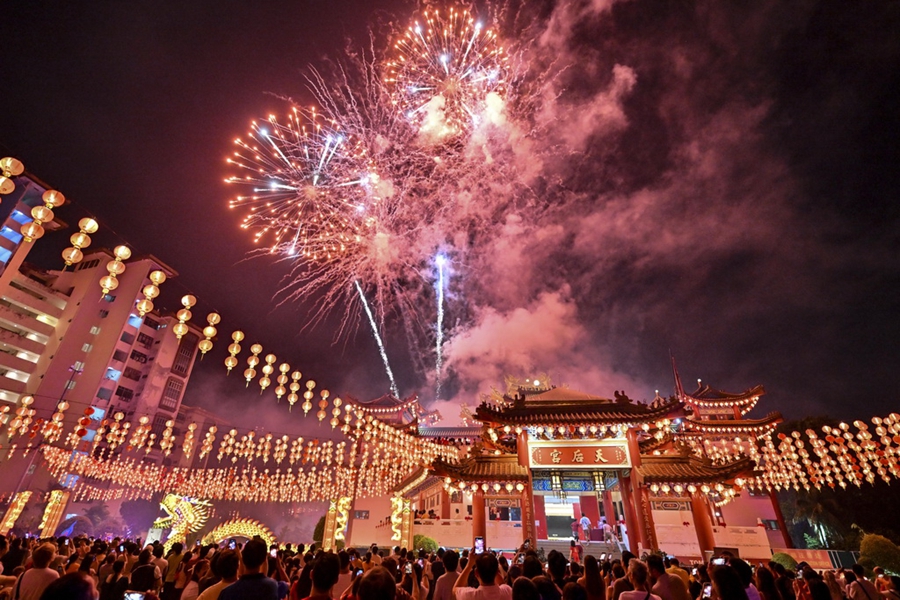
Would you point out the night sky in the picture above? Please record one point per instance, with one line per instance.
(715, 181)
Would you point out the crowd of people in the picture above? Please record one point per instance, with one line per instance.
(87, 569)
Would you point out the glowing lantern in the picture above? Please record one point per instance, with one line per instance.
(209, 332)
(307, 396)
(82, 239)
(322, 404)
(184, 315)
(294, 387)
(42, 214)
(9, 167)
(267, 370)
(115, 267)
(150, 292)
(252, 360)
(280, 390)
(234, 349)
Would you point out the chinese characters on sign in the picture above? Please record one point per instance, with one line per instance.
(563, 454)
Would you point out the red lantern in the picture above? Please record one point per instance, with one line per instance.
(81, 432)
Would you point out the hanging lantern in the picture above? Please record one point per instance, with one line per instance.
(42, 214)
(82, 239)
(335, 413)
(280, 390)
(209, 332)
(9, 167)
(150, 291)
(234, 349)
(267, 370)
(294, 387)
(252, 360)
(184, 315)
(322, 404)
(115, 267)
(307, 396)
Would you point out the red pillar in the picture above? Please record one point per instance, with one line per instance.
(445, 504)
(631, 520)
(540, 516)
(591, 508)
(702, 524)
(479, 521)
(609, 509)
(528, 529)
(785, 534)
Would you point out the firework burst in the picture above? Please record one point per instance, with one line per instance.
(310, 187)
(443, 71)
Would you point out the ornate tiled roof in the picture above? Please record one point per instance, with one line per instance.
(485, 467)
(710, 395)
(735, 426)
(450, 432)
(572, 411)
(691, 469)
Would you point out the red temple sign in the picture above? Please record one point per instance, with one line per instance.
(578, 455)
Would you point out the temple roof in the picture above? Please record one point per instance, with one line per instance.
(450, 432)
(712, 395)
(562, 394)
(735, 426)
(567, 408)
(691, 469)
(385, 401)
(484, 467)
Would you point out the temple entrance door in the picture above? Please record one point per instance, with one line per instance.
(560, 516)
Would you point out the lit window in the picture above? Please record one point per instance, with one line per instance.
(134, 321)
(113, 374)
(5, 255)
(95, 330)
(11, 234)
(20, 217)
(87, 347)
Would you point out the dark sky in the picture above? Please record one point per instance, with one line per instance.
(717, 181)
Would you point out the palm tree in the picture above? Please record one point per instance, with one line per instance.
(97, 514)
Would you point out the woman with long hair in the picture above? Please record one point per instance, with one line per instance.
(765, 583)
(592, 580)
(727, 584)
(639, 576)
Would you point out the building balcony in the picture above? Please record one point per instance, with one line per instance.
(18, 341)
(14, 363)
(28, 322)
(31, 302)
(12, 385)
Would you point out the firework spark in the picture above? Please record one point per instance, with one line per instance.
(443, 71)
(377, 336)
(440, 261)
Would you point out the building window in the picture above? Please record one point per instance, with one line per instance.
(134, 321)
(124, 393)
(138, 356)
(87, 347)
(159, 425)
(95, 330)
(113, 374)
(172, 394)
(151, 323)
(104, 393)
(104, 314)
(144, 340)
(770, 524)
(120, 355)
(185, 354)
(128, 338)
(131, 373)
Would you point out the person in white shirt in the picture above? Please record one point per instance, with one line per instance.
(862, 588)
(443, 587)
(486, 572)
(638, 576)
(31, 583)
(586, 528)
(345, 577)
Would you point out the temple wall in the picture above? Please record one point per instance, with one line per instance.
(749, 511)
(675, 528)
(376, 529)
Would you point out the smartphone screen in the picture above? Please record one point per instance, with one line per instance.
(273, 552)
(479, 545)
(409, 568)
(718, 561)
(707, 591)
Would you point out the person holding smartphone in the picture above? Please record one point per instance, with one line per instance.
(486, 570)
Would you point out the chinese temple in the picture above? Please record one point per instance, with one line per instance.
(675, 474)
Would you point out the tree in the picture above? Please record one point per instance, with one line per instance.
(423, 541)
(97, 513)
(139, 514)
(785, 560)
(319, 531)
(878, 551)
